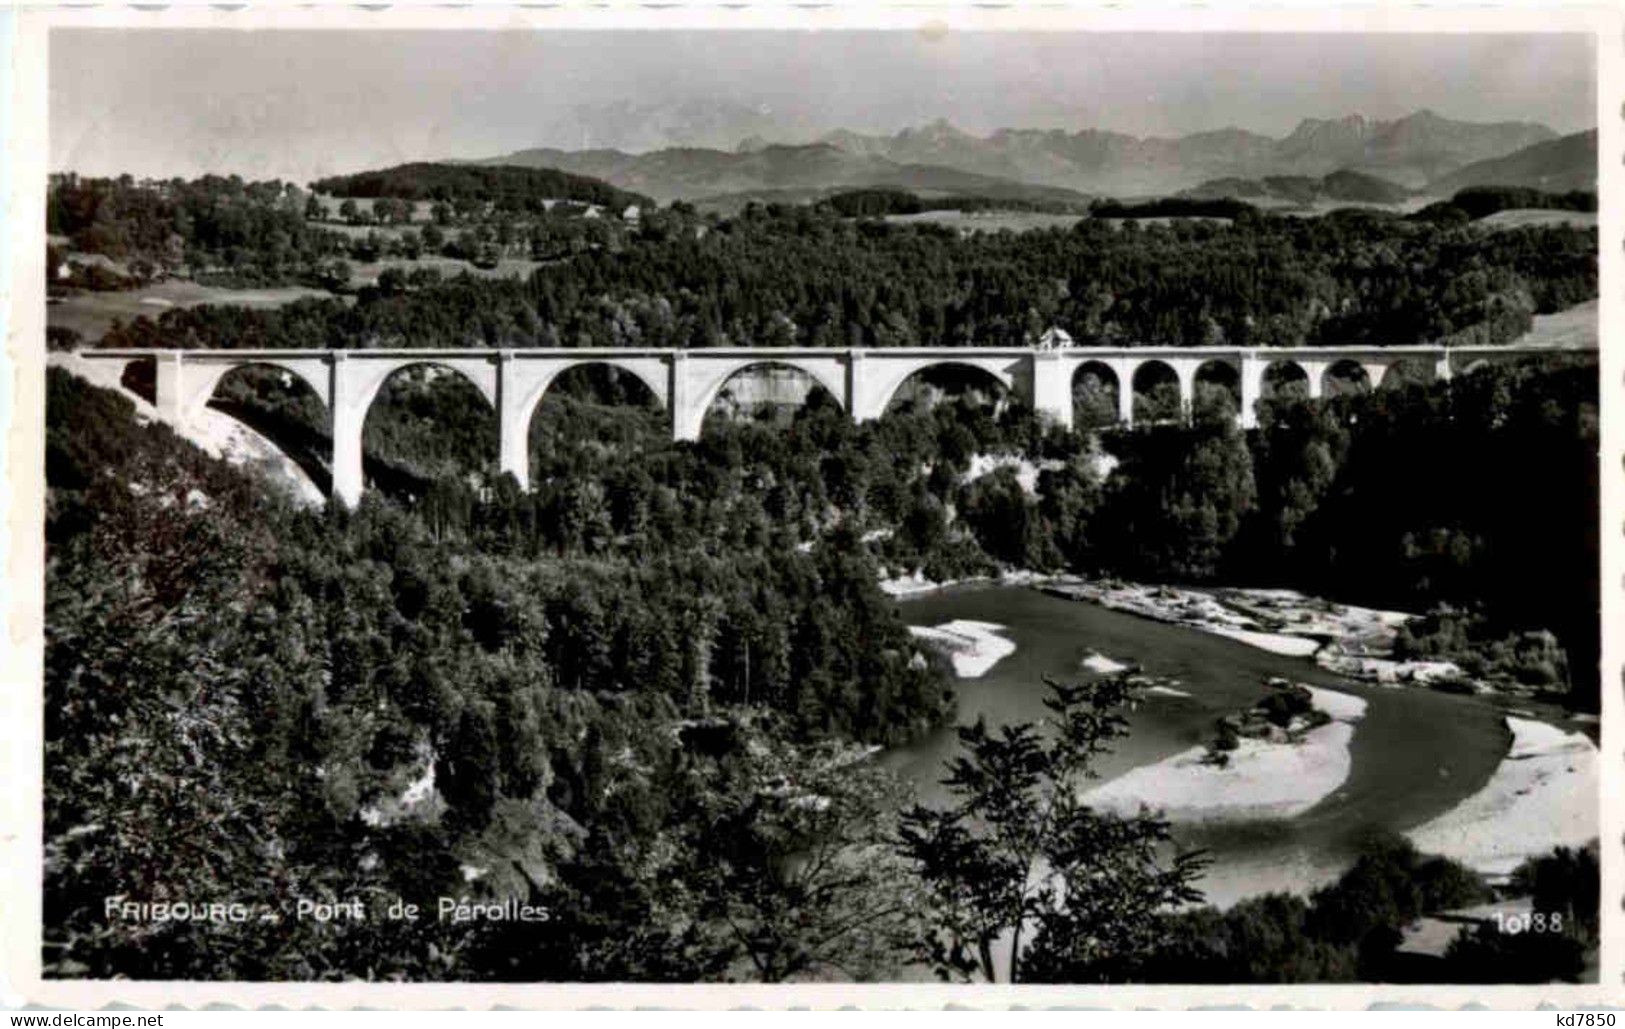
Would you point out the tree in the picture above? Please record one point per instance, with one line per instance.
(799, 865)
(1020, 855)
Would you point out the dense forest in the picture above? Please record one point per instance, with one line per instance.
(636, 695)
(806, 275)
(505, 188)
(1476, 202)
(155, 227)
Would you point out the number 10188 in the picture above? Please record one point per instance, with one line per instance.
(1529, 922)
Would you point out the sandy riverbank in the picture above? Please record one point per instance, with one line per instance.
(916, 584)
(972, 647)
(1261, 781)
(1543, 795)
(1353, 641)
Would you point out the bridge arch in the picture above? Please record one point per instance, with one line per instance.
(651, 374)
(1216, 389)
(1157, 393)
(280, 404)
(822, 375)
(419, 395)
(1097, 395)
(1285, 379)
(884, 375)
(1407, 371)
(203, 377)
(932, 374)
(1346, 377)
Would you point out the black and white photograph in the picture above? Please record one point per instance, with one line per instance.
(933, 504)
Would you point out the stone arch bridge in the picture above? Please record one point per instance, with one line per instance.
(687, 381)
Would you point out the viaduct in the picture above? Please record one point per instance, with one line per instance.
(687, 381)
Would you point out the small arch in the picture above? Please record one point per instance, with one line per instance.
(1406, 372)
(1345, 378)
(140, 376)
(1282, 382)
(1216, 391)
(924, 388)
(427, 422)
(1095, 395)
(282, 406)
(770, 392)
(1157, 396)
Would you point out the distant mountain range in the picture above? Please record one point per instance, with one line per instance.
(1557, 166)
(1417, 152)
(777, 172)
(1409, 151)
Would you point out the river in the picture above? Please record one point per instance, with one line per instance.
(1416, 754)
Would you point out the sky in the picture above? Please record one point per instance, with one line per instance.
(299, 105)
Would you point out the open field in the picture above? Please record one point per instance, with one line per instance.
(991, 221)
(91, 313)
(1325, 206)
(362, 274)
(1576, 327)
(1521, 217)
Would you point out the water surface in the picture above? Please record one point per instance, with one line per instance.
(1416, 754)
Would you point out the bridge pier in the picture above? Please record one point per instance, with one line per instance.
(1251, 385)
(1124, 370)
(1185, 375)
(169, 387)
(1315, 372)
(1052, 387)
(348, 416)
(513, 423)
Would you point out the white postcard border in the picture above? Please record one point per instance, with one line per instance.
(23, 125)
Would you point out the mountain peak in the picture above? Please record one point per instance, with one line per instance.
(940, 128)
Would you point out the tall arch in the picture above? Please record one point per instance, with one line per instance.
(925, 385)
(766, 389)
(651, 373)
(423, 421)
(1096, 395)
(204, 372)
(696, 382)
(598, 405)
(282, 405)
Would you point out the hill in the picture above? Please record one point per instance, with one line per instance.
(1558, 165)
(452, 182)
(1345, 186)
(782, 172)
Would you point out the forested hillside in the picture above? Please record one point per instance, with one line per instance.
(633, 678)
(804, 276)
(506, 187)
(637, 695)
